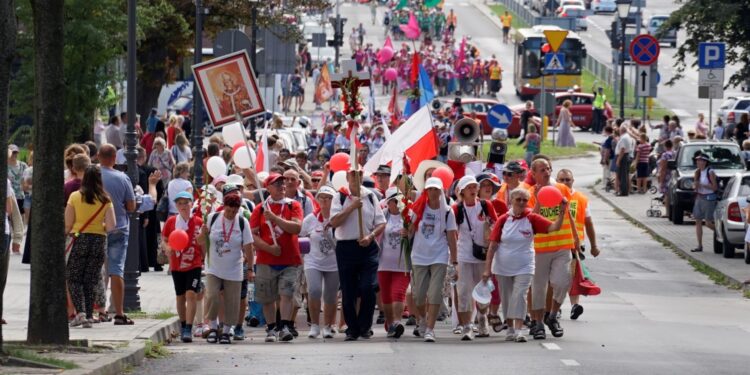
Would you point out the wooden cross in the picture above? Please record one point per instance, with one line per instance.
(348, 73)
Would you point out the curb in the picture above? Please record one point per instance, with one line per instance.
(134, 353)
(733, 283)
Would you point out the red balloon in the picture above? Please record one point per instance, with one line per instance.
(390, 74)
(178, 240)
(546, 47)
(237, 146)
(340, 162)
(549, 196)
(445, 175)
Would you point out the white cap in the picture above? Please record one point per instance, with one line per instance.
(434, 182)
(325, 189)
(391, 193)
(465, 181)
(235, 179)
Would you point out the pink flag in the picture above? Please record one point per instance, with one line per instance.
(411, 29)
(388, 42)
(461, 54)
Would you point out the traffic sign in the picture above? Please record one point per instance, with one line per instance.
(711, 55)
(711, 77)
(555, 38)
(647, 79)
(499, 116)
(319, 39)
(554, 63)
(644, 49)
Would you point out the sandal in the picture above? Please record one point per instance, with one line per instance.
(212, 336)
(494, 320)
(225, 339)
(104, 317)
(697, 250)
(123, 320)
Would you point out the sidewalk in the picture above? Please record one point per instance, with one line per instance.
(681, 237)
(121, 346)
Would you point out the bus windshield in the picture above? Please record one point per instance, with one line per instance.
(571, 48)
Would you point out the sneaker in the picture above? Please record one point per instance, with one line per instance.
(78, 320)
(328, 332)
(511, 335)
(468, 334)
(314, 331)
(458, 330)
(367, 335)
(271, 336)
(88, 323)
(239, 333)
(391, 331)
(576, 311)
(399, 330)
(520, 338)
(422, 328)
(186, 335)
(350, 337)
(381, 318)
(554, 327)
(198, 330)
(411, 321)
(483, 327)
(286, 334)
(429, 336)
(539, 332)
(294, 332)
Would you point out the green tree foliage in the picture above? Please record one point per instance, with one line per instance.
(725, 21)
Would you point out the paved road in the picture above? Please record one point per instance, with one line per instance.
(655, 315)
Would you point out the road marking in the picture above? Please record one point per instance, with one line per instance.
(551, 346)
(570, 362)
(681, 112)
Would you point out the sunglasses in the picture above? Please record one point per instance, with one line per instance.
(521, 200)
(565, 179)
(508, 173)
(316, 180)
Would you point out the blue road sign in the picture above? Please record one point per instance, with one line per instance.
(554, 63)
(499, 116)
(711, 55)
(644, 49)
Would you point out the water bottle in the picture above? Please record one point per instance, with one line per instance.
(452, 275)
(251, 292)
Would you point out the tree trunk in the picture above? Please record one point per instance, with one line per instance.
(48, 322)
(7, 53)
(148, 97)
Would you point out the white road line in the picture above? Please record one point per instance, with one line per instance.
(551, 346)
(570, 362)
(681, 112)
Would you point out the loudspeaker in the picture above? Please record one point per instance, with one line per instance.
(436, 104)
(462, 153)
(497, 152)
(466, 130)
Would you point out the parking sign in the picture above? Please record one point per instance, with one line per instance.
(711, 55)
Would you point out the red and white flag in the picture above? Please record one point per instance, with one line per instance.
(416, 138)
(262, 162)
(394, 109)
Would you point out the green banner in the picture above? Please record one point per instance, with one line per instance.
(432, 3)
(402, 4)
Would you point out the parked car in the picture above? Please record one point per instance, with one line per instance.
(732, 108)
(730, 224)
(725, 161)
(600, 6)
(664, 36)
(582, 108)
(578, 12)
(569, 2)
(482, 106)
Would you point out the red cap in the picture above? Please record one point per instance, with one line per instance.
(523, 164)
(317, 174)
(271, 179)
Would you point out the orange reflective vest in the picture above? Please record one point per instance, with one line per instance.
(561, 239)
(579, 203)
(504, 194)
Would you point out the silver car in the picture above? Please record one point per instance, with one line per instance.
(730, 221)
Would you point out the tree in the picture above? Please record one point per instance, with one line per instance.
(713, 21)
(7, 54)
(48, 323)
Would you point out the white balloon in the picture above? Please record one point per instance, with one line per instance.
(216, 166)
(232, 133)
(339, 180)
(243, 158)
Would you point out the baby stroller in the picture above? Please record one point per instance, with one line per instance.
(655, 209)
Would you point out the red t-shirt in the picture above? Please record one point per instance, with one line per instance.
(499, 206)
(539, 224)
(289, 243)
(192, 257)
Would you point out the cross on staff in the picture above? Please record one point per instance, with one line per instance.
(349, 80)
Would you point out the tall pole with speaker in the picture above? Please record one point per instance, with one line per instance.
(467, 139)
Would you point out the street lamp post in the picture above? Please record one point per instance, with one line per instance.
(623, 9)
(131, 300)
(197, 103)
(253, 48)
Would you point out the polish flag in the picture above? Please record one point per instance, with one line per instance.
(416, 139)
(261, 158)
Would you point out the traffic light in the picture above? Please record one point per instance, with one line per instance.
(337, 41)
(545, 48)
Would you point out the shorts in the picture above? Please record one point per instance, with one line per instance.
(703, 209)
(613, 165)
(641, 169)
(27, 203)
(495, 85)
(271, 283)
(427, 283)
(506, 30)
(393, 286)
(117, 251)
(552, 269)
(187, 280)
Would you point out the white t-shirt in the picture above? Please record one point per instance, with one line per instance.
(372, 216)
(627, 143)
(430, 240)
(9, 194)
(515, 255)
(175, 186)
(391, 246)
(322, 256)
(225, 262)
(465, 246)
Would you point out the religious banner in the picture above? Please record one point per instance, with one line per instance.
(228, 87)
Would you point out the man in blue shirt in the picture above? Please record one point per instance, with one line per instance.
(120, 190)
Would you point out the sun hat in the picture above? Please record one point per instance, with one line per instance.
(465, 181)
(434, 182)
(235, 179)
(482, 292)
(183, 195)
(325, 189)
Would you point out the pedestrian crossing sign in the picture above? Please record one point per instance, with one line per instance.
(554, 63)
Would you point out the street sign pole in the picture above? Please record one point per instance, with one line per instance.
(543, 94)
(554, 115)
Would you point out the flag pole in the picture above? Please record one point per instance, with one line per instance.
(355, 168)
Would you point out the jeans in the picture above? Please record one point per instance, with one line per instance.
(358, 267)
(117, 251)
(623, 174)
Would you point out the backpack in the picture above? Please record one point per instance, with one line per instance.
(460, 214)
